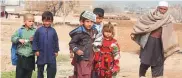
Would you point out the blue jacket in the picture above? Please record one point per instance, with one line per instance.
(46, 42)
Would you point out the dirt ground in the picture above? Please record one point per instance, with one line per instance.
(129, 61)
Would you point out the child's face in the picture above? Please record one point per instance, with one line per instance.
(108, 34)
(29, 23)
(88, 24)
(98, 19)
(47, 23)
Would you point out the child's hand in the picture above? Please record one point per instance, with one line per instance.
(31, 38)
(71, 55)
(37, 53)
(56, 54)
(79, 52)
(22, 41)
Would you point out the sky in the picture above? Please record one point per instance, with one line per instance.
(139, 3)
(142, 3)
(118, 3)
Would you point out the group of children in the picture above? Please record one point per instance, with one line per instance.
(42, 42)
(94, 51)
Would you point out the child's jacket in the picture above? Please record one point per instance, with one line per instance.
(24, 49)
(82, 40)
(46, 42)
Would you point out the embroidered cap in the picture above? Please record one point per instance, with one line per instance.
(89, 15)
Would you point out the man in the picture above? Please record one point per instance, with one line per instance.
(155, 34)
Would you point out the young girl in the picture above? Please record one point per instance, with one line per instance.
(106, 61)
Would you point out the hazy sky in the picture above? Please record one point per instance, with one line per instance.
(140, 3)
(117, 3)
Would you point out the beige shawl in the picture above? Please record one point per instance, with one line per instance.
(152, 21)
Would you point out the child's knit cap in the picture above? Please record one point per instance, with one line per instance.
(89, 15)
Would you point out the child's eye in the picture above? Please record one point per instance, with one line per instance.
(31, 21)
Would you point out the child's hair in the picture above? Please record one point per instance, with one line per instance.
(28, 16)
(99, 12)
(81, 18)
(108, 28)
(47, 15)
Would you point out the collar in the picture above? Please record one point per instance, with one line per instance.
(23, 27)
(46, 27)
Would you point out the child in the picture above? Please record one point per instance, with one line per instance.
(99, 12)
(81, 23)
(23, 37)
(98, 40)
(106, 62)
(46, 46)
(71, 52)
(81, 44)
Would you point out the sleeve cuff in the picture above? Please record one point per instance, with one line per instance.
(17, 40)
(75, 49)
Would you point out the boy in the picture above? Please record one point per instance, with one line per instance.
(99, 12)
(99, 26)
(81, 44)
(46, 46)
(81, 23)
(23, 37)
(71, 52)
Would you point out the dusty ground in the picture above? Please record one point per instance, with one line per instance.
(129, 61)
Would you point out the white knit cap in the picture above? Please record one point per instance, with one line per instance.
(89, 15)
(163, 3)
